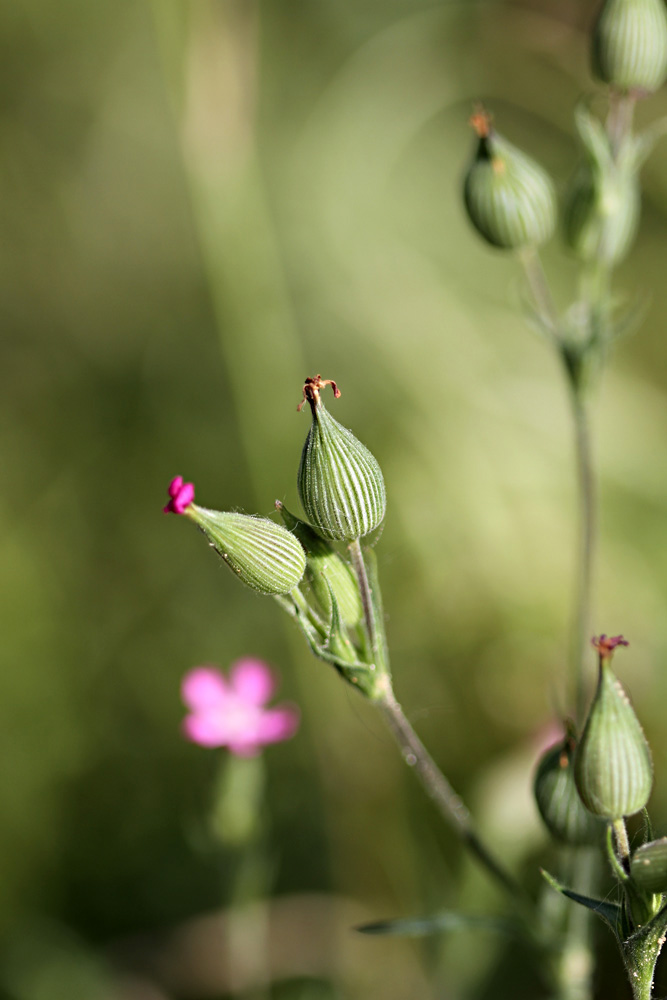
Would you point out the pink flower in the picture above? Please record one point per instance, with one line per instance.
(182, 494)
(230, 712)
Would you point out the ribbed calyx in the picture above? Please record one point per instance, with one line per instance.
(558, 800)
(264, 555)
(648, 866)
(612, 765)
(630, 45)
(326, 571)
(509, 198)
(602, 202)
(340, 483)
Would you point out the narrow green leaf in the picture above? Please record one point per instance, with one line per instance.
(609, 912)
(439, 923)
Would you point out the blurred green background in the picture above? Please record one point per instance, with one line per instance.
(204, 202)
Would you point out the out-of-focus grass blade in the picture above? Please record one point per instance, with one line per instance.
(439, 923)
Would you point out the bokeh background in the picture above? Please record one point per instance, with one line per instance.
(204, 201)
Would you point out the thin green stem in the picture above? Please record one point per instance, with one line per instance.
(539, 287)
(531, 262)
(622, 842)
(575, 963)
(373, 626)
(619, 119)
(449, 804)
(415, 754)
(585, 542)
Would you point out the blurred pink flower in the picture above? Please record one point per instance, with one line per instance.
(182, 494)
(230, 712)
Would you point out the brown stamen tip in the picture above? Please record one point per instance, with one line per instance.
(481, 121)
(606, 645)
(311, 391)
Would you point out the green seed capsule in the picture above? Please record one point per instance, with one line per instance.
(630, 44)
(340, 483)
(326, 571)
(648, 866)
(612, 765)
(264, 555)
(558, 800)
(509, 198)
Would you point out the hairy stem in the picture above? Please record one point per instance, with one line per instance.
(640, 957)
(374, 628)
(622, 842)
(415, 754)
(449, 804)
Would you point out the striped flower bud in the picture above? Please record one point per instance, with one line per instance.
(326, 571)
(509, 198)
(264, 555)
(630, 44)
(648, 866)
(612, 765)
(558, 800)
(340, 483)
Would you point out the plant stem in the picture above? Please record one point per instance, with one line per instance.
(575, 963)
(619, 119)
(414, 752)
(531, 262)
(539, 287)
(584, 561)
(640, 957)
(374, 628)
(449, 804)
(622, 842)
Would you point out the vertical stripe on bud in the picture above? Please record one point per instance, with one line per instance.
(264, 555)
(629, 49)
(612, 764)
(340, 483)
(509, 198)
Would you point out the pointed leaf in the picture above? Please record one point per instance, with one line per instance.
(593, 136)
(609, 912)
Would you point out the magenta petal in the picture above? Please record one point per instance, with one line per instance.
(186, 495)
(175, 486)
(204, 730)
(204, 688)
(252, 680)
(278, 724)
